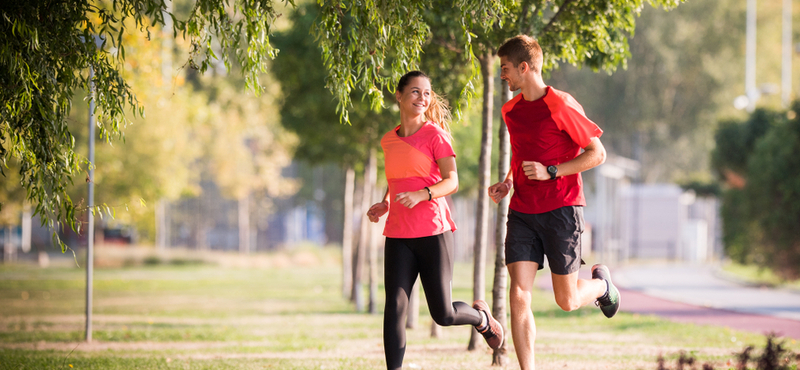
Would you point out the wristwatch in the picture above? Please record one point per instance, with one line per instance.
(552, 170)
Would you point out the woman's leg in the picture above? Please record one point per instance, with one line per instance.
(435, 259)
(400, 273)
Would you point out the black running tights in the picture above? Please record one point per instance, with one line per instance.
(432, 259)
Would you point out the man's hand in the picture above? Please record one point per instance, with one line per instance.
(499, 191)
(377, 210)
(535, 171)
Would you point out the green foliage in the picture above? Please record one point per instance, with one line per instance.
(357, 40)
(762, 211)
(775, 356)
(683, 73)
(46, 49)
(308, 109)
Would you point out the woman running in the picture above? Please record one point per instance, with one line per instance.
(421, 170)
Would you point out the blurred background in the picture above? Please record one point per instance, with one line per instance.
(700, 129)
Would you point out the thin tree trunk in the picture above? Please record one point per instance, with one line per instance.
(161, 216)
(358, 205)
(25, 241)
(374, 236)
(9, 248)
(436, 330)
(244, 224)
(347, 233)
(484, 174)
(500, 355)
(364, 236)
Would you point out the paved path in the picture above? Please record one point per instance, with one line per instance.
(699, 294)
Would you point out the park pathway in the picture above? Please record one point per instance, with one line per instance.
(701, 294)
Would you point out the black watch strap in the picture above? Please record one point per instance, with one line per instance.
(552, 170)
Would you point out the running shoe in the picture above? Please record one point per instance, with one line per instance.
(493, 333)
(609, 302)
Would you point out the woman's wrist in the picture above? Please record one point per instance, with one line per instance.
(426, 191)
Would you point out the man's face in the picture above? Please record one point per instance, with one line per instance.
(510, 73)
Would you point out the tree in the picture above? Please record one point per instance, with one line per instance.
(46, 49)
(309, 111)
(756, 158)
(684, 71)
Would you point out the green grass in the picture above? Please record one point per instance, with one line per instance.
(758, 275)
(291, 315)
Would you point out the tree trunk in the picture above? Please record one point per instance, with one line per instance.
(359, 214)
(161, 217)
(364, 237)
(484, 174)
(25, 241)
(347, 233)
(374, 236)
(9, 248)
(499, 288)
(244, 224)
(436, 330)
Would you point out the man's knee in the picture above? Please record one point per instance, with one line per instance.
(519, 298)
(568, 303)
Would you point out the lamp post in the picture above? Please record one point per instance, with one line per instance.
(750, 90)
(90, 181)
(786, 51)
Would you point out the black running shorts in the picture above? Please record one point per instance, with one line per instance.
(555, 234)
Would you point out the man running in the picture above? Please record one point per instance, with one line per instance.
(548, 129)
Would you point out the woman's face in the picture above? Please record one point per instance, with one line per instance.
(415, 97)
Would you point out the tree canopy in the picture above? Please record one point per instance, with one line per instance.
(47, 48)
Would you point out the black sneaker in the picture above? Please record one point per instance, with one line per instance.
(609, 302)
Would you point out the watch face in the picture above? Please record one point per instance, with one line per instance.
(552, 170)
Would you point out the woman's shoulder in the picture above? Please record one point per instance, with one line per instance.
(434, 129)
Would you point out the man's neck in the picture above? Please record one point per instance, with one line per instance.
(534, 88)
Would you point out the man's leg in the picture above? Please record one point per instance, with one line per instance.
(573, 293)
(523, 328)
(561, 231)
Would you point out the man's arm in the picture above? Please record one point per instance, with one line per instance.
(593, 155)
(501, 189)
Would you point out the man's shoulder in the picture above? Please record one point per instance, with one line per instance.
(509, 105)
(558, 100)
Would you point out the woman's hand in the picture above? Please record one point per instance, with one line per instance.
(377, 210)
(500, 190)
(411, 198)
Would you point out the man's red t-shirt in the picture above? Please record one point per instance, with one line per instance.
(550, 130)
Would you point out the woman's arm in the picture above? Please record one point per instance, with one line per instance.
(447, 186)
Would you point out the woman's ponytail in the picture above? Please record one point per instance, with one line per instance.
(439, 112)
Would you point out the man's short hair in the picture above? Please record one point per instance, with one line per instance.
(522, 48)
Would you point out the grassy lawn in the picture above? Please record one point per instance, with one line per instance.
(758, 275)
(285, 311)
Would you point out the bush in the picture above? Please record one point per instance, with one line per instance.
(774, 357)
(761, 207)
